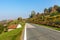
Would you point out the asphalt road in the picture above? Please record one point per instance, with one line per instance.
(35, 32)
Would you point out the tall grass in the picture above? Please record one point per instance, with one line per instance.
(12, 35)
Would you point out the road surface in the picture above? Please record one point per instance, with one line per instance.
(35, 32)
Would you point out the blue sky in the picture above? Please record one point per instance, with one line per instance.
(12, 9)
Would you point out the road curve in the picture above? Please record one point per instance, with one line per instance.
(35, 32)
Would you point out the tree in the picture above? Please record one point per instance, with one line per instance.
(46, 11)
(32, 14)
(19, 19)
(56, 7)
(38, 13)
(50, 9)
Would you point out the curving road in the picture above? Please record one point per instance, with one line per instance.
(35, 32)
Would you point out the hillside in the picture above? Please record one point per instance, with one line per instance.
(50, 17)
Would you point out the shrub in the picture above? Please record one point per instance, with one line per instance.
(1, 28)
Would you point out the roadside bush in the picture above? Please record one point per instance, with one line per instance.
(1, 28)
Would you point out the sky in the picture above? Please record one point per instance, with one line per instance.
(12, 9)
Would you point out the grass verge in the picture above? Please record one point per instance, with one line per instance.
(12, 35)
(55, 28)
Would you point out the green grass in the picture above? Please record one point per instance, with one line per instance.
(50, 27)
(12, 35)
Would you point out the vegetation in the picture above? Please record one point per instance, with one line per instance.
(13, 35)
(32, 14)
(55, 28)
(1, 28)
(50, 17)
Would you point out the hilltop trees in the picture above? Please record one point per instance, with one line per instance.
(46, 11)
(51, 17)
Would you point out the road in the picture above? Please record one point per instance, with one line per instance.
(36, 32)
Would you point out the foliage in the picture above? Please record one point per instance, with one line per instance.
(16, 21)
(1, 28)
(12, 35)
(32, 14)
(51, 17)
(54, 13)
(57, 22)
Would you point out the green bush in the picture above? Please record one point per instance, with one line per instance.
(1, 28)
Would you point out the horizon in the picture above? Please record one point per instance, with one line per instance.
(12, 9)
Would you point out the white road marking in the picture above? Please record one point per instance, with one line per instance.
(25, 36)
(27, 26)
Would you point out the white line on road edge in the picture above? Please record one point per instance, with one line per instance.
(25, 37)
